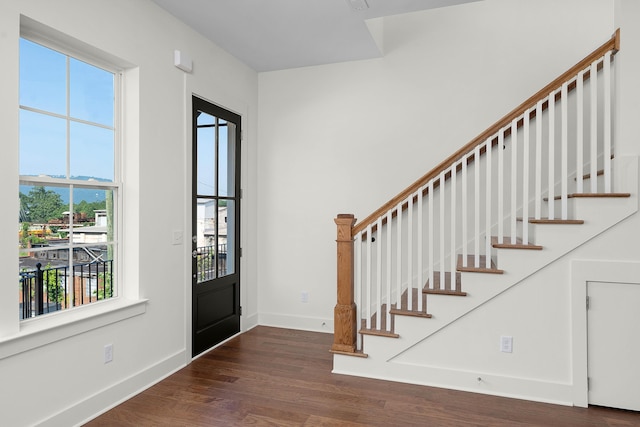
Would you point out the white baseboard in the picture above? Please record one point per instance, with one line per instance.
(496, 385)
(100, 402)
(304, 323)
(248, 322)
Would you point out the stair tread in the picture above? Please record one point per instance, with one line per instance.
(357, 353)
(600, 172)
(413, 313)
(471, 262)
(374, 322)
(553, 221)
(506, 244)
(378, 332)
(404, 309)
(614, 195)
(591, 195)
(438, 289)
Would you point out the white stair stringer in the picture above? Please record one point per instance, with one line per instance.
(557, 240)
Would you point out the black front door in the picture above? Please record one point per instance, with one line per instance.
(216, 225)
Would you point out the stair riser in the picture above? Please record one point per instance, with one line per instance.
(586, 185)
(479, 287)
(593, 208)
(557, 208)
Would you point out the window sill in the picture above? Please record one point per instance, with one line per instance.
(41, 331)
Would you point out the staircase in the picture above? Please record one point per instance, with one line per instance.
(500, 211)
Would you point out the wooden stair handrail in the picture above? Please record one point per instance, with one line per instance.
(613, 44)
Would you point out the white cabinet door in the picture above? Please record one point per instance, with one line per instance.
(614, 345)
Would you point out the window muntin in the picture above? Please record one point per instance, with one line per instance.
(69, 185)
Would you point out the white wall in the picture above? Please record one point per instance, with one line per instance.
(345, 138)
(627, 16)
(65, 382)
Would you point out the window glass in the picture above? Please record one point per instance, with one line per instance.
(68, 187)
(206, 167)
(226, 158)
(91, 152)
(43, 145)
(43, 76)
(42, 213)
(91, 93)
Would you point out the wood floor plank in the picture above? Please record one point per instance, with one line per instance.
(279, 377)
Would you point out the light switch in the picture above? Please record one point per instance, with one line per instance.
(506, 344)
(176, 237)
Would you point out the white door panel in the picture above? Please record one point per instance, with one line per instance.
(614, 345)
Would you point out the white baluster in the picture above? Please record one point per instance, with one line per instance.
(488, 205)
(525, 178)
(388, 259)
(594, 127)
(476, 167)
(431, 236)
(580, 132)
(358, 283)
(399, 257)
(410, 252)
(420, 283)
(465, 216)
(441, 231)
(607, 122)
(538, 177)
(452, 260)
(564, 101)
(552, 153)
(379, 274)
(514, 179)
(367, 308)
(500, 185)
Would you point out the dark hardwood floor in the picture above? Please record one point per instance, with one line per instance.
(280, 377)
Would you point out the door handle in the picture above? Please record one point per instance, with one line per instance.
(194, 254)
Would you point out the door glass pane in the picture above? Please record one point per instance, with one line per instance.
(205, 239)
(226, 233)
(206, 154)
(227, 156)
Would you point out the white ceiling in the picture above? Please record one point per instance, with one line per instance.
(272, 35)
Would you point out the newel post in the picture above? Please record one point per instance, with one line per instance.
(345, 333)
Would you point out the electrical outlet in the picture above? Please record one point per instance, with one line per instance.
(108, 353)
(506, 344)
(304, 296)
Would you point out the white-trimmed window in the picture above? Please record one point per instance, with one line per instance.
(70, 183)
